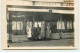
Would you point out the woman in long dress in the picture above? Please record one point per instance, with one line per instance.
(48, 31)
(29, 33)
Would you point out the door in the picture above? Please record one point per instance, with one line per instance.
(34, 21)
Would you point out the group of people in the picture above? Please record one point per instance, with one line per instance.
(35, 32)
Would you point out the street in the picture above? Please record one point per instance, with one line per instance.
(41, 43)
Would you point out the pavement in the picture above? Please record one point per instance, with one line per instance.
(41, 43)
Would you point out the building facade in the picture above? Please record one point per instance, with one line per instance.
(30, 13)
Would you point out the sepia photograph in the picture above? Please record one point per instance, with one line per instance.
(39, 24)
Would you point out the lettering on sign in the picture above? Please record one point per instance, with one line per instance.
(18, 15)
(52, 4)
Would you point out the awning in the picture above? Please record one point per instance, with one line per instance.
(43, 10)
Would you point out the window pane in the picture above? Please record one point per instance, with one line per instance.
(14, 25)
(63, 27)
(29, 24)
(67, 24)
(60, 25)
(35, 24)
(70, 25)
(39, 23)
(21, 25)
(18, 25)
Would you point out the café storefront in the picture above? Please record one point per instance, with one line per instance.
(61, 24)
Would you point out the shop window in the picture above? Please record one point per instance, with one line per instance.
(37, 23)
(29, 24)
(69, 25)
(17, 25)
(13, 25)
(60, 25)
(63, 26)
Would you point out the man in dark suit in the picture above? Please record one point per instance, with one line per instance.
(38, 32)
(33, 33)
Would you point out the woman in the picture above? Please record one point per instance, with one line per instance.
(48, 31)
(29, 33)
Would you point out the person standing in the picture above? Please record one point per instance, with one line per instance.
(33, 33)
(38, 32)
(29, 33)
(48, 31)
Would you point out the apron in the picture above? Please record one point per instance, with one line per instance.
(29, 33)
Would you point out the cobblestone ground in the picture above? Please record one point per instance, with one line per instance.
(41, 43)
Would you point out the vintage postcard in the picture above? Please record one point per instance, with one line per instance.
(40, 24)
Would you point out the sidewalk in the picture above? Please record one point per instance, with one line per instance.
(60, 42)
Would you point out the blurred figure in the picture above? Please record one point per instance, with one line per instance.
(38, 32)
(48, 31)
(29, 32)
(33, 32)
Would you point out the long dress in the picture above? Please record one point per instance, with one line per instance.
(29, 33)
(48, 32)
(42, 30)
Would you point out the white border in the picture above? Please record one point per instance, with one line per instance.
(4, 30)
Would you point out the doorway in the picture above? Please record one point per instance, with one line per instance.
(34, 22)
